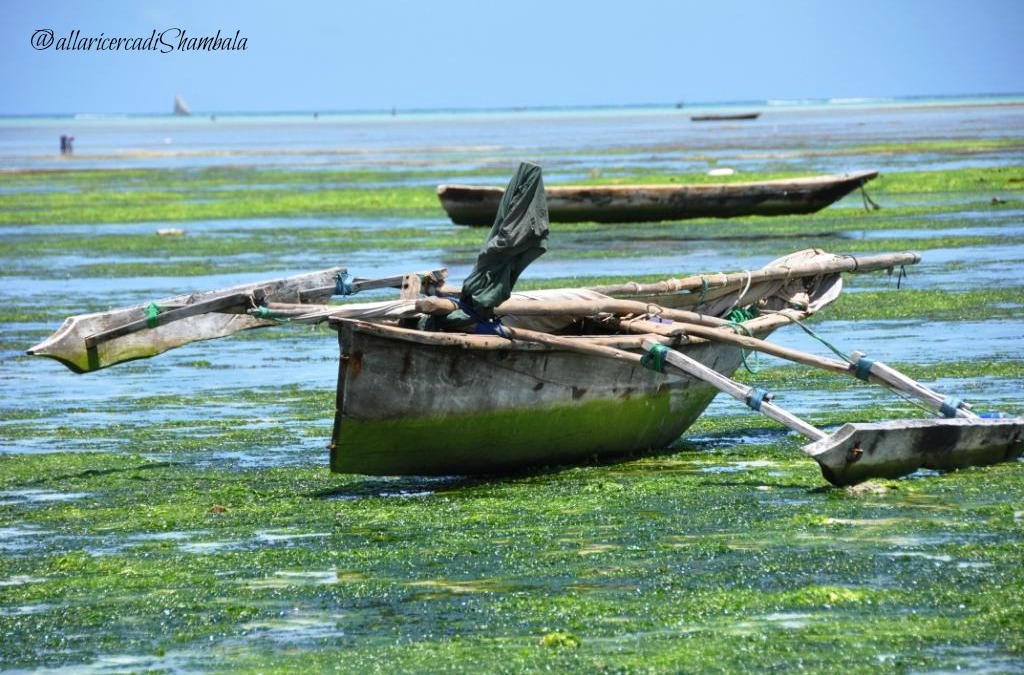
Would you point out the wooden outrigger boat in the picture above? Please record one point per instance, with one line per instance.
(477, 205)
(549, 377)
(569, 379)
(416, 402)
(735, 117)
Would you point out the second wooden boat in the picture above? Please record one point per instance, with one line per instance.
(477, 205)
(725, 118)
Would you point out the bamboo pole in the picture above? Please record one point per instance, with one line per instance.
(738, 391)
(441, 306)
(577, 345)
(879, 373)
(738, 279)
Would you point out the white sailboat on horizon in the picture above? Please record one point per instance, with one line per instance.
(180, 107)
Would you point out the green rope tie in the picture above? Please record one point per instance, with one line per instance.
(152, 312)
(264, 313)
(809, 331)
(862, 368)
(736, 319)
(703, 292)
(739, 315)
(655, 358)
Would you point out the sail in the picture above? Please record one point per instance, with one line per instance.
(180, 107)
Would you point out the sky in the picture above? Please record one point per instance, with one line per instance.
(336, 55)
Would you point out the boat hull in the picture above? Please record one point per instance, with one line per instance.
(474, 205)
(725, 118)
(412, 409)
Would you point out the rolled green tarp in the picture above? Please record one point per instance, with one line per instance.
(517, 238)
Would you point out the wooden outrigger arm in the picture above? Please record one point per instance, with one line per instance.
(860, 451)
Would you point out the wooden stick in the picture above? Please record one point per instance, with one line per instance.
(684, 364)
(892, 378)
(576, 344)
(739, 279)
(369, 284)
(738, 391)
(441, 306)
(517, 339)
(234, 301)
(880, 373)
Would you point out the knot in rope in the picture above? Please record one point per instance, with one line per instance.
(152, 314)
(343, 284)
(655, 358)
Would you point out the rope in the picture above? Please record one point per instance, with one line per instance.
(950, 405)
(746, 288)
(736, 319)
(152, 312)
(900, 277)
(807, 329)
(343, 284)
(703, 292)
(858, 366)
(869, 204)
(655, 358)
(863, 368)
(265, 313)
(755, 397)
(483, 326)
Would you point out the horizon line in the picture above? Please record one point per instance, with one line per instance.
(679, 105)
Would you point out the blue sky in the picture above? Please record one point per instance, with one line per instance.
(345, 55)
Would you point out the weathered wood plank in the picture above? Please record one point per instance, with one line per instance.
(68, 343)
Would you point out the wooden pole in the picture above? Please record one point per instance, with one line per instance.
(738, 391)
(880, 373)
(580, 308)
(577, 345)
(738, 279)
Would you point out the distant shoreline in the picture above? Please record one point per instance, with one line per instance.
(772, 105)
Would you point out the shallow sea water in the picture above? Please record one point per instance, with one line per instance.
(193, 525)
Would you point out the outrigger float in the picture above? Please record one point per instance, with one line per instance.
(481, 380)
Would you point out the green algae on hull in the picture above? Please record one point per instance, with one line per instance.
(411, 409)
(447, 444)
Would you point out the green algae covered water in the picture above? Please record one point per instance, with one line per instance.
(177, 514)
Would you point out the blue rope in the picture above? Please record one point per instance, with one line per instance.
(863, 368)
(655, 358)
(491, 328)
(343, 284)
(755, 397)
(950, 405)
(483, 326)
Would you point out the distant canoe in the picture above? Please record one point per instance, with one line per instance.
(474, 205)
(724, 118)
